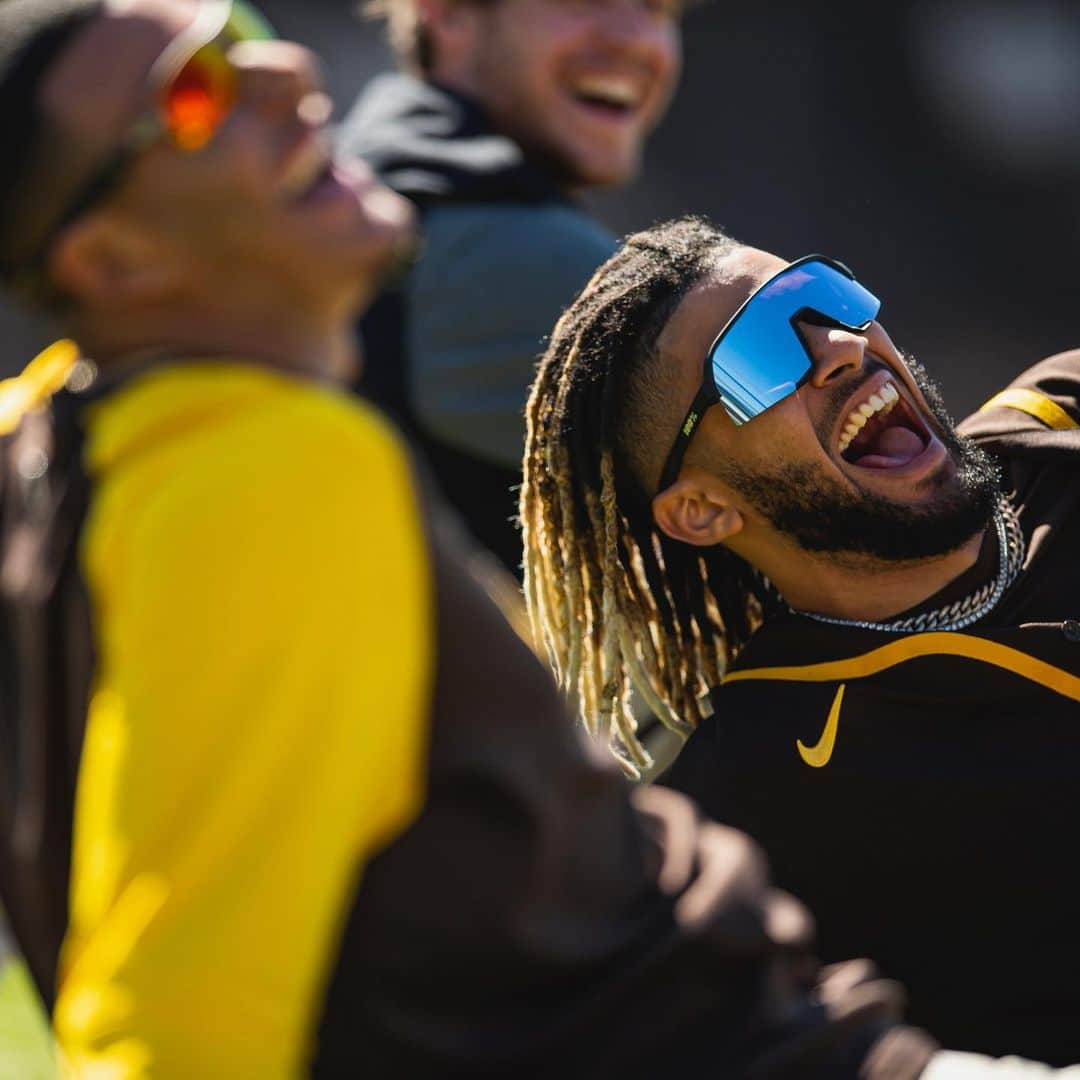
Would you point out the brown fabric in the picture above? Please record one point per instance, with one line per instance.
(536, 919)
(1015, 436)
(47, 668)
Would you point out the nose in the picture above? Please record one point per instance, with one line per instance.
(836, 352)
(276, 77)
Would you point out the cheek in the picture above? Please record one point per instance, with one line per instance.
(793, 426)
(786, 436)
(509, 82)
(541, 50)
(668, 63)
(203, 192)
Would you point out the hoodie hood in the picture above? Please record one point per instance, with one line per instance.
(432, 144)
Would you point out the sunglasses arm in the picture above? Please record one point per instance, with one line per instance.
(706, 397)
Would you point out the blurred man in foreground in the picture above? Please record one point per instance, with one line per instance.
(282, 792)
(505, 111)
(741, 495)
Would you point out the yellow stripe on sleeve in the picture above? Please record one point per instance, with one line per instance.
(37, 382)
(917, 646)
(1034, 404)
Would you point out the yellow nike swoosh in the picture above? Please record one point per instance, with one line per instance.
(818, 756)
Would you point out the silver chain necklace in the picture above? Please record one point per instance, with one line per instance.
(970, 608)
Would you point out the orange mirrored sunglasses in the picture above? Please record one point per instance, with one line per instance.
(196, 101)
(193, 86)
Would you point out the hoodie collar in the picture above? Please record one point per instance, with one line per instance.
(433, 144)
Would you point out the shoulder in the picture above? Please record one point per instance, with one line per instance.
(216, 451)
(1042, 400)
(501, 275)
(262, 420)
(321, 432)
(495, 239)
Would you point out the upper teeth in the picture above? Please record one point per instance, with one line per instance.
(881, 402)
(305, 167)
(608, 88)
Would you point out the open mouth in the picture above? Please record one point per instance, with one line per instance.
(611, 95)
(883, 431)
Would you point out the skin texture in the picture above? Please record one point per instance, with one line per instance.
(529, 61)
(799, 435)
(206, 252)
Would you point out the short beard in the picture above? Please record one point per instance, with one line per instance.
(821, 516)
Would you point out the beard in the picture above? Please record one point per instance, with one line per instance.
(823, 516)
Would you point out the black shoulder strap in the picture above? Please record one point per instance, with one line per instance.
(45, 674)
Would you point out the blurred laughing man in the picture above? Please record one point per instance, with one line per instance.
(266, 809)
(505, 111)
(741, 495)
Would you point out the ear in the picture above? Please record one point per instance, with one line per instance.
(696, 510)
(103, 261)
(452, 25)
(440, 16)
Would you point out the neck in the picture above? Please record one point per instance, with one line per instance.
(322, 348)
(862, 587)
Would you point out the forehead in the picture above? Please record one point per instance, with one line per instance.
(529, 16)
(98, 84)
(705, 310)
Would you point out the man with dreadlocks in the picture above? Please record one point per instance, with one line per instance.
(265, 810)
(872, 641)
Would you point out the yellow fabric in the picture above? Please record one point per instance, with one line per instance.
(1034, 404)
(920, 645)
(37, 382)
(263, 602)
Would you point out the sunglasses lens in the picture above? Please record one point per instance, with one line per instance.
(198, 100)
(760, 359)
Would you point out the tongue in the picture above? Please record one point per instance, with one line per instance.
(894, 447)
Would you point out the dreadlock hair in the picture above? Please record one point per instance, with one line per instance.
(617, 602)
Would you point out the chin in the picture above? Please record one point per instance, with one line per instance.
(378, 258)
(608, 177)
(610, 170)
(589, 164)
(387, 211)
(385, 236)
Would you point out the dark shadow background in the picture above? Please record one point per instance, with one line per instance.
(933, 146)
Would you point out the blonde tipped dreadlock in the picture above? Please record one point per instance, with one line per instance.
(616, 602)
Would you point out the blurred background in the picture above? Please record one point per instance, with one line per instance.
(933, 146)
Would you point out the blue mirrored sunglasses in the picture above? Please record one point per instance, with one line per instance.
(760, 357)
